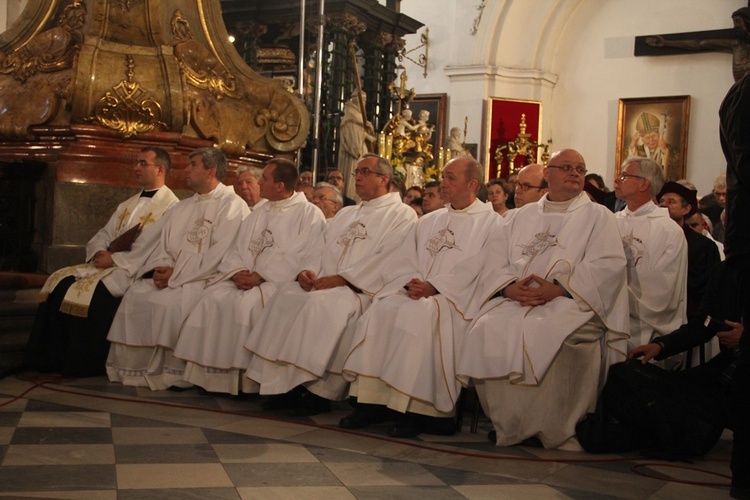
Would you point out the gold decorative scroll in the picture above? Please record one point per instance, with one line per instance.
(128, 108)
(200, 67)
(51, 50)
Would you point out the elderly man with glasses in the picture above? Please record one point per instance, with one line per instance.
(328, 199)
(550, 312)
(300, 342)
(656, 251)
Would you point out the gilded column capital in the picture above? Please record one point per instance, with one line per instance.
(251, 29)
(378, 39)
(396, 45)
(347, 23)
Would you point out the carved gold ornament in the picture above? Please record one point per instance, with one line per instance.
(128, 108)
(51, 50)
(200, 67)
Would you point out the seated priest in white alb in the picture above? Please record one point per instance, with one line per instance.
(403, 355)
(656, 251)
(78, 303)
(267, 253)
(550, 313)
(197, 232)
(297, 339)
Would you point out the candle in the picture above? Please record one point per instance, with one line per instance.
(388, 146)
(441, 158)
(381, 144)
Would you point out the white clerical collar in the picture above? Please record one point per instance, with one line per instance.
(644, 209)
(292, 200)
(469, 209)
(207, 196)
(557, 206)
(381, 200)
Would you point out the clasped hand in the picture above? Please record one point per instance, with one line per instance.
(246, 280)
(417, 289)
(103, 260)
(161, 276)
(533, 291)
(308, 281)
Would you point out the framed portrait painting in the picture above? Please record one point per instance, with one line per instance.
(656, 128)
(436, 105)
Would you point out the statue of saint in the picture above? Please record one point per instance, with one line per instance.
(354, 134)
(456, 144)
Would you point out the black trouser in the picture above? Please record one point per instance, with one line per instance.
(71, 345)
(648, 408)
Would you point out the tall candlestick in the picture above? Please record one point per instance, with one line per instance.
(388, 146)
(381, 144)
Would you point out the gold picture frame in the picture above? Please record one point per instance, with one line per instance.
(655, 127)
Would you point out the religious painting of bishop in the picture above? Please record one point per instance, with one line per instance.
(655, 128)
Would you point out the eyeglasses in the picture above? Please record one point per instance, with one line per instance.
(364, 171)
(526, 186)
(321, 199)
(569, 168)
(144, 163)
(624, 176)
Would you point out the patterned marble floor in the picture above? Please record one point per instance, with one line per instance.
(89, 439)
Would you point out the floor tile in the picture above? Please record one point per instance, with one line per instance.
(296, 492)
(677, 491)
(405, 492)
(9, 404)
(264, 428)
(64, 419)
(6, 433)
(214, 436)
(61, 435)
(326, 455)
(263, 453)
(59, 454)
(494, 491)
(463, 477)
(130, 421)
(383, 474)
(604, 482)
(10, 418)
(65, 495)
(57, 478)
(157, 435)
(165, 454)
(160, 476)
(288, 474)
(514, 468)
(180, 493)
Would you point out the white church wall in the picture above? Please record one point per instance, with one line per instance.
(596, 67)
(576, 56)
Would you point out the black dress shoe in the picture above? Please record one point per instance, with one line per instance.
(282, 401)
(439, 426)
(363, 416)
(492, 436)
(310, 404)
(408, 426)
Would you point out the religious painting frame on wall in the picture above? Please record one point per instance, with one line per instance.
(656, 128)
(512, 131)
(436, 105)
